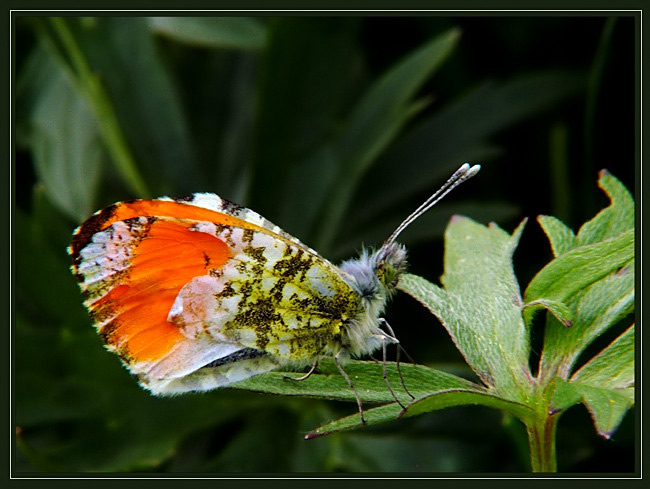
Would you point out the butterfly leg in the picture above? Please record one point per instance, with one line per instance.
(347, 377)
(394, 340)
(304, 377)
(390, 387)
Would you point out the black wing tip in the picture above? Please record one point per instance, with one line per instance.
(84, 233)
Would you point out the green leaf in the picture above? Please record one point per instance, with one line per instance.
(441, 400)
(66, 146)
(435, 401)
(561, 237)
(480, 305)
(597, 308)
(374, 416)
(606, 406)
(374, 123)
(246, 33)
(560, 311)
(368, 381)
(613, 367)
(614, 220)
(565, 395)
(577, 269)
(367, 378)
(593, 274)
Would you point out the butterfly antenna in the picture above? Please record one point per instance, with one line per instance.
(465, 172)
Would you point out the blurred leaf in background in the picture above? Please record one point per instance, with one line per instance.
(334, 128)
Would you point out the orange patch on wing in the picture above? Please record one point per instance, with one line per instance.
(167, 257)
(149, 208)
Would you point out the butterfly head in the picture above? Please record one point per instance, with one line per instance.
(376, 274)
(389, 264)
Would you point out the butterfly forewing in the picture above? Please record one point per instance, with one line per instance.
(175, 288)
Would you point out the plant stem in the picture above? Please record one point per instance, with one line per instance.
(541, 439)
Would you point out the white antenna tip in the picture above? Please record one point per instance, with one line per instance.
(473, 170)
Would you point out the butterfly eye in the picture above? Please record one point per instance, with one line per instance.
(387, 274)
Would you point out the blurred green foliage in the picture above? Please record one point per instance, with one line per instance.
(335, 129)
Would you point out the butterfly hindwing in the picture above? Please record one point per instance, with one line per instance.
(238, 366)
(271, 295)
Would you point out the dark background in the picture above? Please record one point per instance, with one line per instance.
(543, 103)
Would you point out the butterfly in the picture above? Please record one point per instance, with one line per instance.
(198, 293)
